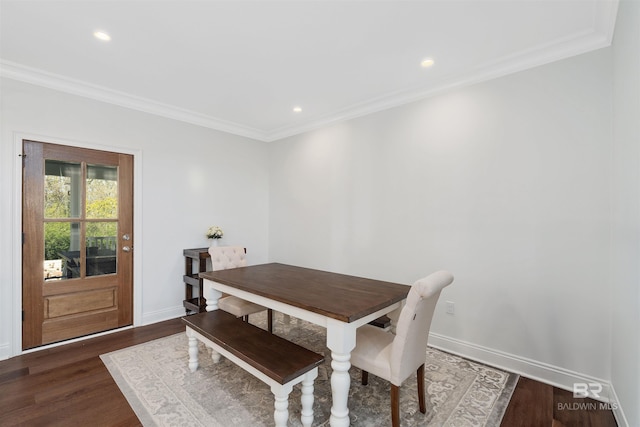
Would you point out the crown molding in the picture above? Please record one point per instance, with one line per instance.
(49, 80)
(605, 13)
(599, 36)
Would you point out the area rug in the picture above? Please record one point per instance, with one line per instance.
(156, 381)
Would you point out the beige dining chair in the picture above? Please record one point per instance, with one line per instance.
(395, 357)
(222, 258)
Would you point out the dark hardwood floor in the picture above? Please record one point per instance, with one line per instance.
(69, 386)
(536, 404)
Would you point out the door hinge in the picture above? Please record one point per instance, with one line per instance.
(23, 315)
(23, 237)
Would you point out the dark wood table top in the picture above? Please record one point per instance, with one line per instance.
(339, 296)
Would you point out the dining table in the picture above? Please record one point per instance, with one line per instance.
(338, 302)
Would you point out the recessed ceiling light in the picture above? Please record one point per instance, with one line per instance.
(427, 62)
(101, 35)
(297, 109)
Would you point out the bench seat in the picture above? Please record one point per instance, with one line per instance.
(279, 363)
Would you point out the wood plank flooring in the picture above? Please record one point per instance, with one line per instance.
(70, 386)
(536, 404)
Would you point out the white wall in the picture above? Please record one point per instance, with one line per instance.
(505, 183)
(525, 187)
(625, 271)
(192, 178)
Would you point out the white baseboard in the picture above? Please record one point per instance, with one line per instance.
(539, 371)
(147, 319)
(618, 413)
(162, 315)
(5, 351)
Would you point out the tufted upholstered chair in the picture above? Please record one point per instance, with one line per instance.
(395, 357)
(222, 258)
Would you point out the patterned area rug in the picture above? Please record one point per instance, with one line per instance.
(155, 379)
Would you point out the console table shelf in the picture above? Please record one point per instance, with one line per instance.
(191, 279)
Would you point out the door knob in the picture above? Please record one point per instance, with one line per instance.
(126, 249)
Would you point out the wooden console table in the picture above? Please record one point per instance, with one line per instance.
(194, 304)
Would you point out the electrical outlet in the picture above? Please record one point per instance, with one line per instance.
(451, 308)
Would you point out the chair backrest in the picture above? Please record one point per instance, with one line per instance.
(412, 330)
(223, 257)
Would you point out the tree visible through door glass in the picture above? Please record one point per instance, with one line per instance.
(72, 228)
(62, 189)
(102, 203)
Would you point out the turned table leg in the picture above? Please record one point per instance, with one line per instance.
(306, 399)
(341, 339)
(193, 351)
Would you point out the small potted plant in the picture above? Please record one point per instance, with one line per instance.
(214, 233)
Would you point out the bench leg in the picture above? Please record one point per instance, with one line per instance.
(281, 394)
(215, 356)
(307, 398)
(193, 351)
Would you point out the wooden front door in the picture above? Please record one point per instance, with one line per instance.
(77, 260)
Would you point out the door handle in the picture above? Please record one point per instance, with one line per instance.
(126, 249)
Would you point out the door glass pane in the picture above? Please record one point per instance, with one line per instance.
(61, 250)
(101, 248)
(62, 189)
(102, 192)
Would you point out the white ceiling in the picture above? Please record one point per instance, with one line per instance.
(241, 66)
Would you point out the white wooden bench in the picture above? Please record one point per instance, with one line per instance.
(279, 363)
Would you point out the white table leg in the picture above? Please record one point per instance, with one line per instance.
(212, 296)
(341, 339)
(286, 323)
(306, 399)
(193, 351)
(393, 317)
(215, 356)
(281, 394)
